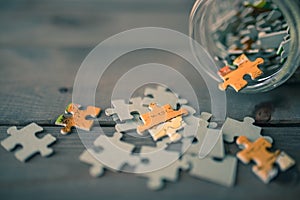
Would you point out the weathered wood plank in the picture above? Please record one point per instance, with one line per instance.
(74, 23)
(36, 85)
(62, 176)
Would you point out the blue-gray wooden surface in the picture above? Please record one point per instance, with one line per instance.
(42, 44)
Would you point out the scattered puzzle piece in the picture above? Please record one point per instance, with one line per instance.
(155, 158)
(137, 105)
(121, 109)
(115, 153)
(221, 172)
(257, 151)
(169, 173)
(169, 129)
(124, 111)
(233, 128)
(162, 96)
(209, 140)
(158, 115)
(190, 130)
(235, 78)
(128, 125)
(78, 118)
(154, 170)
(30, 143)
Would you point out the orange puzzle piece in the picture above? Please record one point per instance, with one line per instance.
(78, 118)
(158, 115)
(235, 78)
(257, 152)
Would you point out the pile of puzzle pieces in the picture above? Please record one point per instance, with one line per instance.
(185, 141)
(258, 29)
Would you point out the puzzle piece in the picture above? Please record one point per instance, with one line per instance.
(78, 118)
(256, 3)
(162, 96)
(235, 78)
(271, 40)
(97, 168)
(115, 153)
(155, 157)
(159, 115)
(209, 141)
(169, 173)
(221, 172)
(29, 142)
(153, 168)
(121, 109)
(169, 129)
(257, 151)
(284, 49)
(137, 105)
(124, 111)
(233, 128)
(285, 161)
(190, 130)
(127, 125)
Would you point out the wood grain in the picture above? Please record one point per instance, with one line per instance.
(42, 45)
(63, 176)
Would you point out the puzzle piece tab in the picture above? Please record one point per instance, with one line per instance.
(159, 115)
(257, 152)
(78, 118)
(30, 143)
(235, 78)
(168, 128)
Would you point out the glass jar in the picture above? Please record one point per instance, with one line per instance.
(214, 21)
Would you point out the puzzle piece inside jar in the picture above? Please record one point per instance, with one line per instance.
(77, 118)
(158, 115)
(235, 78)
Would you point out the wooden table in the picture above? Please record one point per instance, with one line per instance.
(42, 44)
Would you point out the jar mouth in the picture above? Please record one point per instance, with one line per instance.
(201, 26)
